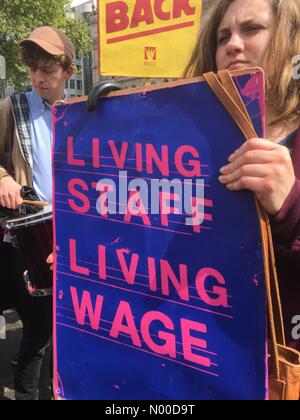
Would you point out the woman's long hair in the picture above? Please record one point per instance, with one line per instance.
(283, 90)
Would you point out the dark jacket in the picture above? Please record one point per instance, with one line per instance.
(286, 233)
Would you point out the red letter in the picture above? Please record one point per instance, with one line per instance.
(188, 342)
(129, 274)
(124, 311)
(152, 274)
(142, 13)
(105, 203)
(167, 275)
(159, 11)
(116, 17)
(139, 157)
(162, 164)
(71, 159)
(86, 203)
(183, 6)
(135, 207)
(198, 216)
(169, 346)
(165, 207)
(119, 158)
(96, 153)
(73, 260)
(102, 262)
(196, 167)
(221, 299)
(87, 306)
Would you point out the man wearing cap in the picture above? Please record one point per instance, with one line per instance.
(25, 159)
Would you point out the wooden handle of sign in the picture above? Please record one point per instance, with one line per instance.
(35, 203)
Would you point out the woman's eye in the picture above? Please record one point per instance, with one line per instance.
(253, 28)
(223, 39)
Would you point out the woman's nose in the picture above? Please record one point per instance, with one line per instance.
(235, 45)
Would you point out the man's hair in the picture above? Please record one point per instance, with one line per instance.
(283, 91)
(32, 53)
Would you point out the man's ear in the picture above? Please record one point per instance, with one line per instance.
(69, 73)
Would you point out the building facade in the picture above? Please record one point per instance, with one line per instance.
(75, 86)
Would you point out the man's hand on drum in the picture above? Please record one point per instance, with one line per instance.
(10, 193)
(263, 167)
(50, 260)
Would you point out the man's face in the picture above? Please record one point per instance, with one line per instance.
(48, 78)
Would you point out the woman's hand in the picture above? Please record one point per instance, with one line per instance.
(50, 260)
(263, 167)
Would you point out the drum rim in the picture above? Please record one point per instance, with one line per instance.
(33, 219)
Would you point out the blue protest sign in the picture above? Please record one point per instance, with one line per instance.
(160, 290)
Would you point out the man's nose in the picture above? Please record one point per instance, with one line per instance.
(39, 76)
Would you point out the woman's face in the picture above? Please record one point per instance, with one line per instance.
(244, 34)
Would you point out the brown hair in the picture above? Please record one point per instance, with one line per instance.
(32, 53)
(283, 91)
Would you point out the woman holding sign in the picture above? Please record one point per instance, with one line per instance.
(265, 33)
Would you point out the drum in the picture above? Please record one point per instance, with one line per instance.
(32, 238)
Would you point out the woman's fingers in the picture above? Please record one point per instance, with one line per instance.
(249, 157)
(245, 171)
(253, 144)
(264, 168)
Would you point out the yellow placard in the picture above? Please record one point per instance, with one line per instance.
(147, 38)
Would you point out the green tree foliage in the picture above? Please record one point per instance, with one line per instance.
(19, 17)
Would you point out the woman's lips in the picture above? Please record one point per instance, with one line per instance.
(238, 64)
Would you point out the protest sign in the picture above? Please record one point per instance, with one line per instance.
(160, 293)
(147, 38)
